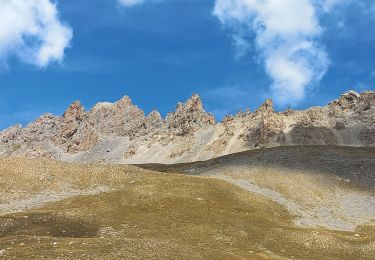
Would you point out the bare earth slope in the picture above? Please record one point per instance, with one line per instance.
(124, 212)
(122, 133)
(332, 187)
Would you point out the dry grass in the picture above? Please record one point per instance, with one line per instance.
(148, 215)
(332, 187)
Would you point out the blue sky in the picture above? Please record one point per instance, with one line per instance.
(160, 52)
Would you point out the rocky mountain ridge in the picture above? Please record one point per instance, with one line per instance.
(121, 132)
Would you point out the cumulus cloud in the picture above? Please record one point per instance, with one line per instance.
(286, 39)
(32, 31)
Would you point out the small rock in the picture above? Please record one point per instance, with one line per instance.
(357, 235)
(2, 252)
(200, 199)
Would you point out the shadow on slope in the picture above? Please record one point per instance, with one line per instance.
(170, 216)
(322, 186)
(352, 163)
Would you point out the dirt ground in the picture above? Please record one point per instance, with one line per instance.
(124, 212)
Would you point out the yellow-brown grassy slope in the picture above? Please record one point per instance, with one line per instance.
(131, 213)
(322, 186)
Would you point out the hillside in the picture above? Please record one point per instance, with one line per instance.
(331, 187)
(124, 212)
(122, 133)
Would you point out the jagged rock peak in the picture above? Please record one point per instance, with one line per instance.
(266, 107)
(194, 103)
(351, 93)
(242, 113)
(354, 101)
(189, 116)
(74, 112)
(43, 118)
(190, 126)
(349, 97)
(124, 109)
(154, 114)
(154, 120)
(100, 106)
(124, 102)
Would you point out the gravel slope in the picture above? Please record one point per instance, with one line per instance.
(152, 215)
(331, 187)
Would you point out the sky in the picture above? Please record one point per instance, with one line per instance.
(233, 53)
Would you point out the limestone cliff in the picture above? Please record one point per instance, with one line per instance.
(120, 132)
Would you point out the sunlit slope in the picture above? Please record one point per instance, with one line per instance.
(26, 183)
(331, 187)
(149, 215)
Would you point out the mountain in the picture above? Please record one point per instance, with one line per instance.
(309, 195)
(121, 132)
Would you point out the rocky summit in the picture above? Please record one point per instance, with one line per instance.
(121, 132)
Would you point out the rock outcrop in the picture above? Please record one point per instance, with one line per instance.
(189, 117)
(120, 132)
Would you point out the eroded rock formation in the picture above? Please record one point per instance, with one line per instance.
(120, 132)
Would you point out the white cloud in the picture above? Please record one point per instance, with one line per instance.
(32, 31)
(130, 2)
(287, 40)
(242, 46)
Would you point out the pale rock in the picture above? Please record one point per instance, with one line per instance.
(189, 133)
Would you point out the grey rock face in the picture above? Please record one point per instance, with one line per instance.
(189, 117)
(189, 133)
